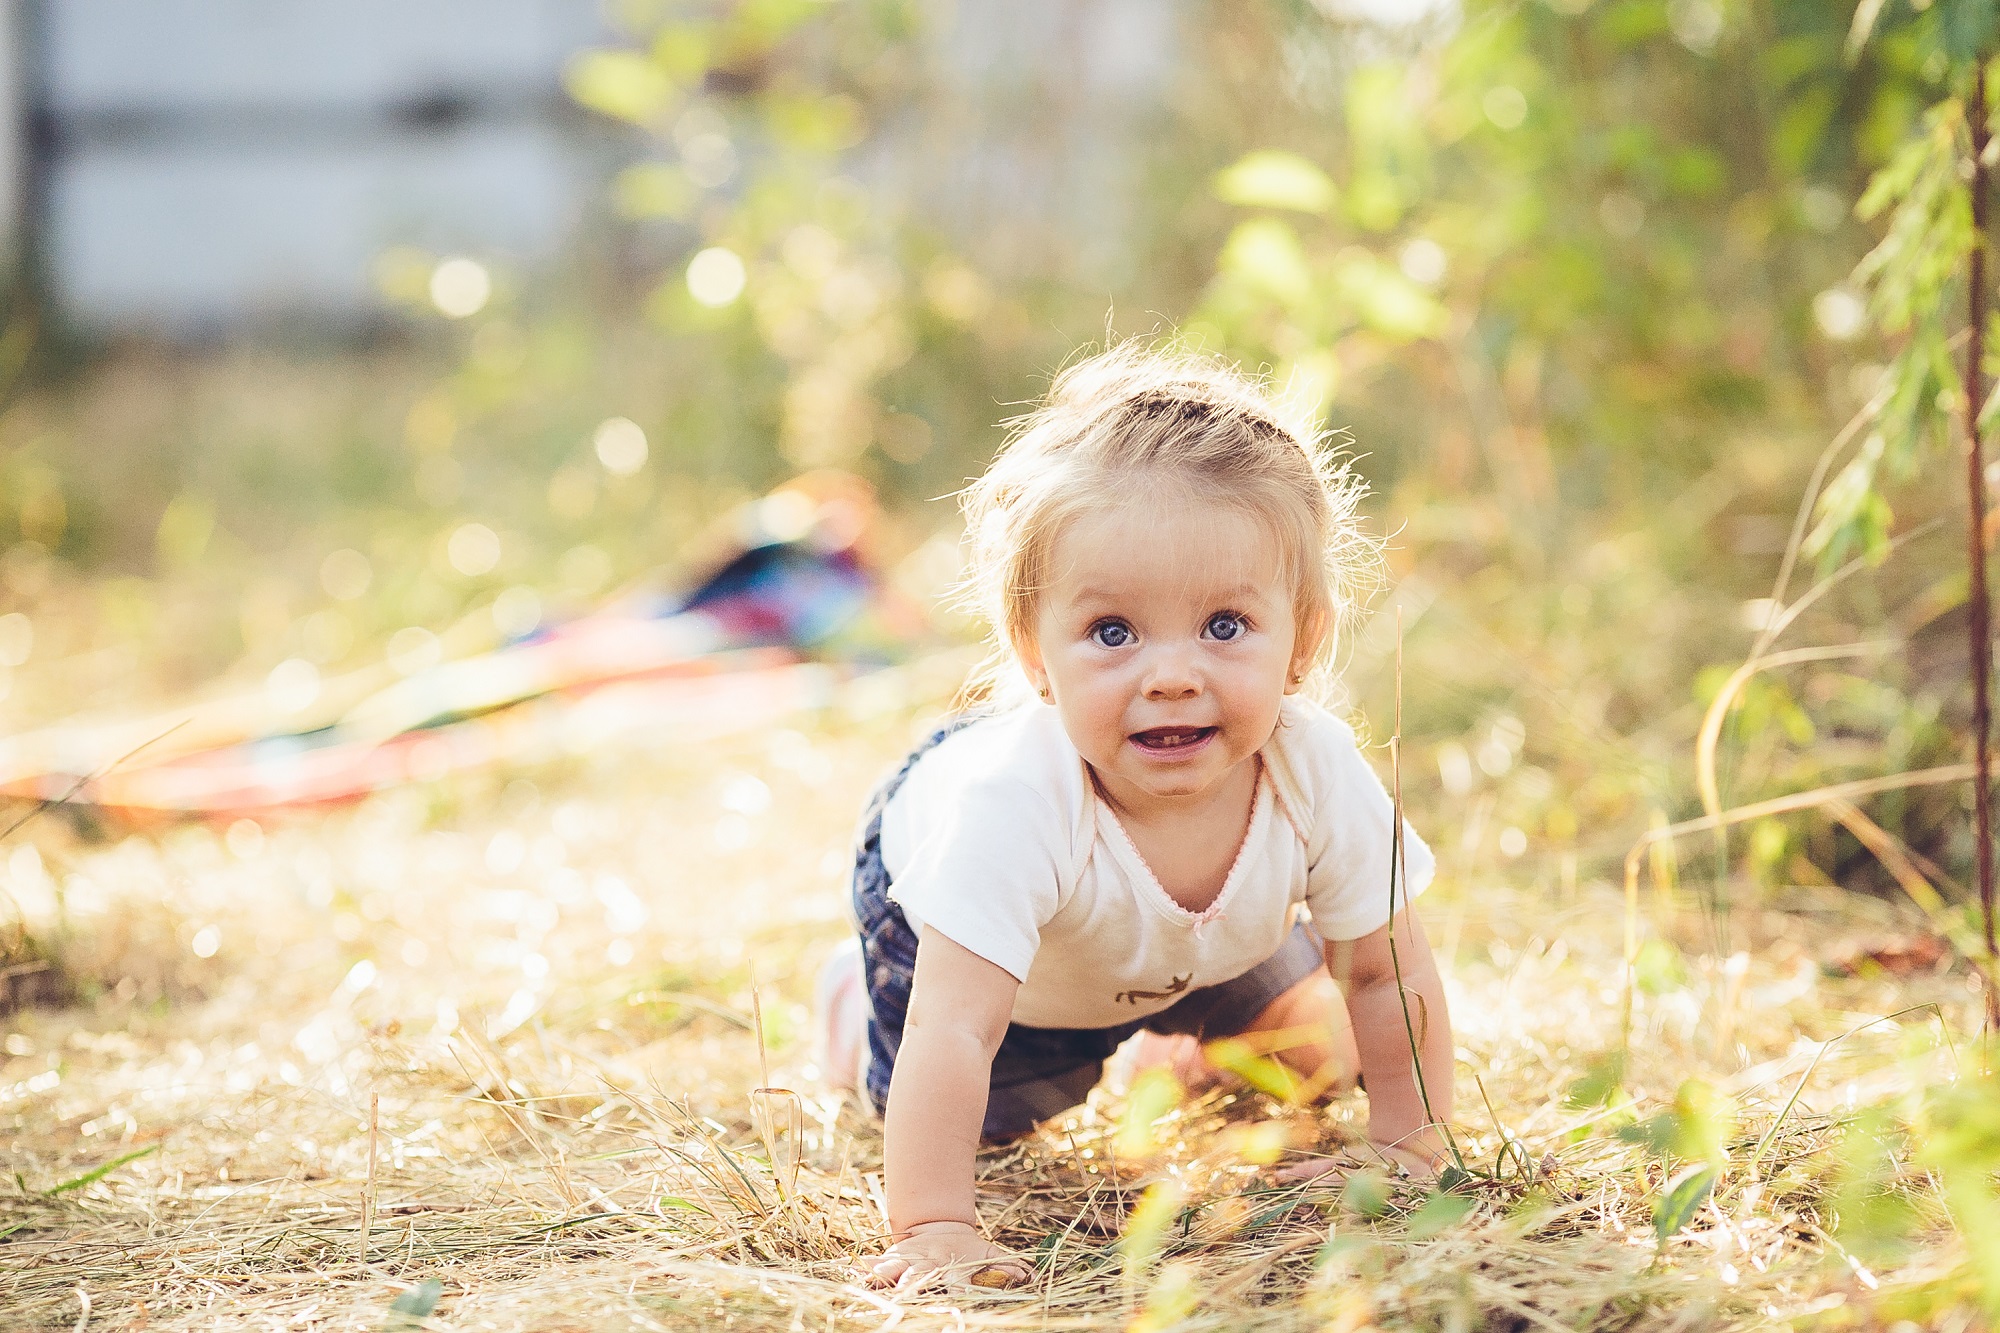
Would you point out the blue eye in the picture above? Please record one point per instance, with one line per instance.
(1111, 634)
(1227, 627)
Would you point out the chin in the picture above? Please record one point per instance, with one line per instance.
(1176, 784)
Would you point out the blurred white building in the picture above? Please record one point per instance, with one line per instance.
(203, 163)
(195, 166)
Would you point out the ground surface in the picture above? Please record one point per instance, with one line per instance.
(509, 1031)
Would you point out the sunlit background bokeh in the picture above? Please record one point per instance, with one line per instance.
(350, 344)
(476, 517)
(365, 339)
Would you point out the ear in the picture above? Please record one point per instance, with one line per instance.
(1029, 654)
(1304, 649)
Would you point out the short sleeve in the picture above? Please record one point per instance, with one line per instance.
(986, 873)
(1351, 847)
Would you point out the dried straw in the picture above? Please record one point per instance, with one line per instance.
(509, 1041)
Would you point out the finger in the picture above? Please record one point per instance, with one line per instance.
(917, 1275)
(997, 1275)
(887, 1271)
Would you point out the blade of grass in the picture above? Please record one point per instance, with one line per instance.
(1398, 873)
(88, 778)
(1798, 1089)
(98, 1173)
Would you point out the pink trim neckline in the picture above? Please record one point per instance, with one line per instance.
(1230, 880)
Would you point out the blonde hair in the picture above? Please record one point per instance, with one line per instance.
(1138, 417)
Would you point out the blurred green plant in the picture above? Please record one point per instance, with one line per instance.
(1931, 263)
(799, 286)
(1959, 1138)
(1582, 281)
(1577, 278)
(1148, 1230)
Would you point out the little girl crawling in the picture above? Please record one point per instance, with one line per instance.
(1165, 559)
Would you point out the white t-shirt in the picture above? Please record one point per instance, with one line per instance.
(998, 839)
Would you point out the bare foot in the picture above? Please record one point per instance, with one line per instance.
(945, 1254)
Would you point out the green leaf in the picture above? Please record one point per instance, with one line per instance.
(1960, 1140)
(1599, 1083)
(1271, 178)
(1266, 1073)
(1338, 1248)
(1146, 1229)
(624, 85)
(1965, 28)
(1155, 1093)
(419, 1300)
(1658, 968)
(1440, 1212)
(1682, 1199)
(1366, 1193)
(1383, 299)
(98, 1173)
(1265, 255)
(1655, 1133)
(1875, 1218)
(684, 1205)
(1703, 1119)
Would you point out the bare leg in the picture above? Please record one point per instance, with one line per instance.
(1305, 1029)
(840, 1019)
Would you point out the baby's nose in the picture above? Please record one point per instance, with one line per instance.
(1172, 675)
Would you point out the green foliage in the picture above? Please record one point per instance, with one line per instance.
(1440, 1211)
(1873, 1210)
(1154, 1094)
(1961, 1142)
(1681, 1198)
(411, 1308)
(1603, 1081)
(1914, 275)
(1658, 968)
(1366, 1193)
(1175, 1292)
(624, 84)
(1146, 1230)
(1695, 1129)
(1273, 179)
(1267, 1074)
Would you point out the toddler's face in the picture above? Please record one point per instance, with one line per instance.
(1167, 640)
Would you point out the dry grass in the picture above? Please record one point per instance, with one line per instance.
(510, 1032)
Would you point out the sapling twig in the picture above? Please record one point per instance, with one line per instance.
(88, 778)
(1398, 873)
(1978, 601)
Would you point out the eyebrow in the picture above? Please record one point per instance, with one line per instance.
(1241, 592)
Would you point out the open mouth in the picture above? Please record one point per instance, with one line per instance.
(1172, 740)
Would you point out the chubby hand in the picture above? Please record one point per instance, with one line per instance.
(937, 1253)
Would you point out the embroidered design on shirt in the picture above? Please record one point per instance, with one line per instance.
(1134, 996)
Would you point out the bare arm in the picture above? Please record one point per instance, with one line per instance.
(1366, 973)
(959, 1007)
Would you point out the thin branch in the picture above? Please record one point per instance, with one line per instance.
(87, 779)
(1979, 622)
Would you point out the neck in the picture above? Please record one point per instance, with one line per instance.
(1231, 794)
